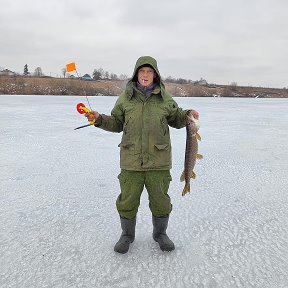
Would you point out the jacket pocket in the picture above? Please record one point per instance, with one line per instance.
(162, 155)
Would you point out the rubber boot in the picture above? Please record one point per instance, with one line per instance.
(127, 236)
(159, 233)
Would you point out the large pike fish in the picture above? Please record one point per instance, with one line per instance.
(191, 152)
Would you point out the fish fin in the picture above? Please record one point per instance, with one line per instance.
(199, 156)
(185, 190)
(182, 178)
(198, 137)
(193, 175)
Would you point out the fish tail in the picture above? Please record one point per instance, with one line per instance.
(186, 190)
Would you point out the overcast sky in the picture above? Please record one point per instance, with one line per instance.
(222, 41)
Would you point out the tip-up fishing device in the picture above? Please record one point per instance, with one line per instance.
(80, 107)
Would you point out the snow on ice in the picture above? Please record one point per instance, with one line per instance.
(58, 189)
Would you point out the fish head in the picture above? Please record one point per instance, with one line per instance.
(192, 124)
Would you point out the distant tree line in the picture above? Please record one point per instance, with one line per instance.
(101, 74)
(170, 79)
(38, 71)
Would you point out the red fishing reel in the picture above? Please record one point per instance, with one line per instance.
(81, 108)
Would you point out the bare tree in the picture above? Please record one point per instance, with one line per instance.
(96, 74)
(123, 77)
(113, 76)
(64, 72)
(38, 72)
(102, 73)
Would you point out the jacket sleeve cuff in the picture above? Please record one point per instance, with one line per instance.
(98, 122)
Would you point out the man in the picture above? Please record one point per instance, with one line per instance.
(143, 113)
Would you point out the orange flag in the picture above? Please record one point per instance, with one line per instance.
(70, 67)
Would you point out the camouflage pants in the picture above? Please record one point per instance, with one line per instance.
(132, 184)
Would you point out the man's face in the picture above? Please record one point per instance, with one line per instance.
(146, 76)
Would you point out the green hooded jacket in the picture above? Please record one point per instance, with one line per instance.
(145, 122)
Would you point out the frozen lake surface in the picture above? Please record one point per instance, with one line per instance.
(58, 189)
